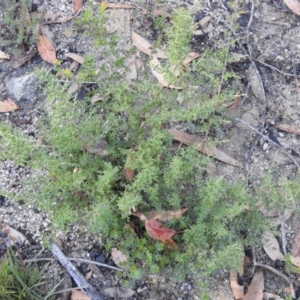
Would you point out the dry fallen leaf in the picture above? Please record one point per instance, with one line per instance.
(46, 49)
(118, 257)
(167, 214)
(161, 12)
(213, 151)
(116, 5)
(14, 236)
(156, 71)
(237, 290)
(129, 173)
(144, 46)
(117, 292)
(88, 275)
(255, 82)
(22, 59)
(7, 105)
(295, 261)
(96, 98)
(132, 64)
(158, 231)
(191, 56)
(271, 246)
(293, 5)
(288, 128)
(4, 55)
(295, 251)
(256, 288)
(75, 57)
(77, 4)
(79, 295)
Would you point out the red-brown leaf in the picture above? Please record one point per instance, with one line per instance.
(293, 5)
(46, 49)
(77, 4)
(158, 231)
(7, 106)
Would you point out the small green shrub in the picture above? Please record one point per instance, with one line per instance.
(77, 185)
(17, 26)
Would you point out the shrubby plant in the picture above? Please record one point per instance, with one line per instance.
(17, 26)
(87, 146)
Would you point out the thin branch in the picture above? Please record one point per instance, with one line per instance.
(273, 68)
(269, 140)
(288, 279)
(75, 259)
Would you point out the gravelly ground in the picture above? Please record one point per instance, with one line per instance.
(273, 38)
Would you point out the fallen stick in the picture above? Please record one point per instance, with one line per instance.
(87, 288)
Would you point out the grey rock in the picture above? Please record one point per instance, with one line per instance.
(23, 88)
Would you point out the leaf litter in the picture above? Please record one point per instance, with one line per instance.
(213, 151)
(144, 46)
(271, 246)
(8, 105)
(256, 288)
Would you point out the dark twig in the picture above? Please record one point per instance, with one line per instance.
(288, 279)
(269, 140)
(275, 69)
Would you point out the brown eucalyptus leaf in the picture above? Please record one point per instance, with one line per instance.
(157, 72)
(255, 83)
(144, 46)
(4, 55)
(88, 275)
(14, 236)
(295, 251)
(271, 246)
(132, 63)
(7, 105)
(129, 174)
(191, 56)
(22, 59)
(74, 65)
(46, 49)
(158, 231)
(117, 292)
(237, 290)
(118, 257)
(213, 151)
(256, 288)
(161, 12)
(295, 261)
(79, 295)
(288, 128)
(293, 5)
(167, 214)
(77, 4)
(75, 57)
(96, 98)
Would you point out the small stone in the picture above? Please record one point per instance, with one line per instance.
(100, 259)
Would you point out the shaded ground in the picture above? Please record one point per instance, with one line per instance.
(272, 39)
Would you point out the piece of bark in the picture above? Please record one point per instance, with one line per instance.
(75, 274)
